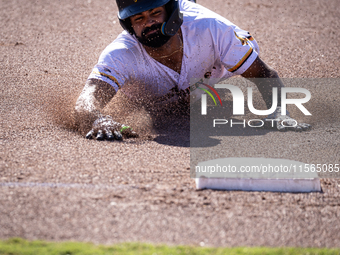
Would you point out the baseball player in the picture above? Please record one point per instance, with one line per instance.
(171, 46)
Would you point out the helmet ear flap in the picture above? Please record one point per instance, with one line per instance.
(175, 19)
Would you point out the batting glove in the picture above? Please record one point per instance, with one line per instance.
(285, 123)
(106, 128)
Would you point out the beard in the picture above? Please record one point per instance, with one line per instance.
(154, 40)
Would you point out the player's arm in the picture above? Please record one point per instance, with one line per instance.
(265, 78)
(257, 72)
(94, 97)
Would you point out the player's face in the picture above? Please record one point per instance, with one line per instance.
(147, 26)
(146, 19)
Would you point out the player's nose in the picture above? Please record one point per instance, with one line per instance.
(149, 21)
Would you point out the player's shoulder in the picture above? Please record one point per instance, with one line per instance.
(197, 16)
(123, 47)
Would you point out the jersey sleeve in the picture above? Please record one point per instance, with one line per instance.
(237, 51)
(112, 68)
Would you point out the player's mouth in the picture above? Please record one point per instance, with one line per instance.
(151, 32)
(153, 37)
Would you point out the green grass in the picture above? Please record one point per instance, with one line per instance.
(18, 246)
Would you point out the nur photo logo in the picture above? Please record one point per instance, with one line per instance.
(239, 103)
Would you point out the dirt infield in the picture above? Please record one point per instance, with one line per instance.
(56, 185)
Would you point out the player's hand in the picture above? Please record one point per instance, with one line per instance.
(106, 128)
(285, 123)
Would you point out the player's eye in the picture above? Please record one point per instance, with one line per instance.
(138, 19)
(156, 13)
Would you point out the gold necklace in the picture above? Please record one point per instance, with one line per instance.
(180, 48)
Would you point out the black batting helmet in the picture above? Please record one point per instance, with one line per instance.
(128, 8)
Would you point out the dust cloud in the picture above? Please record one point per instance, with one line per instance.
(142, 112)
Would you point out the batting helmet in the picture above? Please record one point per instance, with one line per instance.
(128, 8)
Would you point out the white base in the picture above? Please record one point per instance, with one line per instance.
(294, 179)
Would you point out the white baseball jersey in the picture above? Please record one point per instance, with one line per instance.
(213, 47)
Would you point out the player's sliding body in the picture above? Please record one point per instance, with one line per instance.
(164, 45)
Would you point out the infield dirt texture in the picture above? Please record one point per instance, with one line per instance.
(56, 185)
